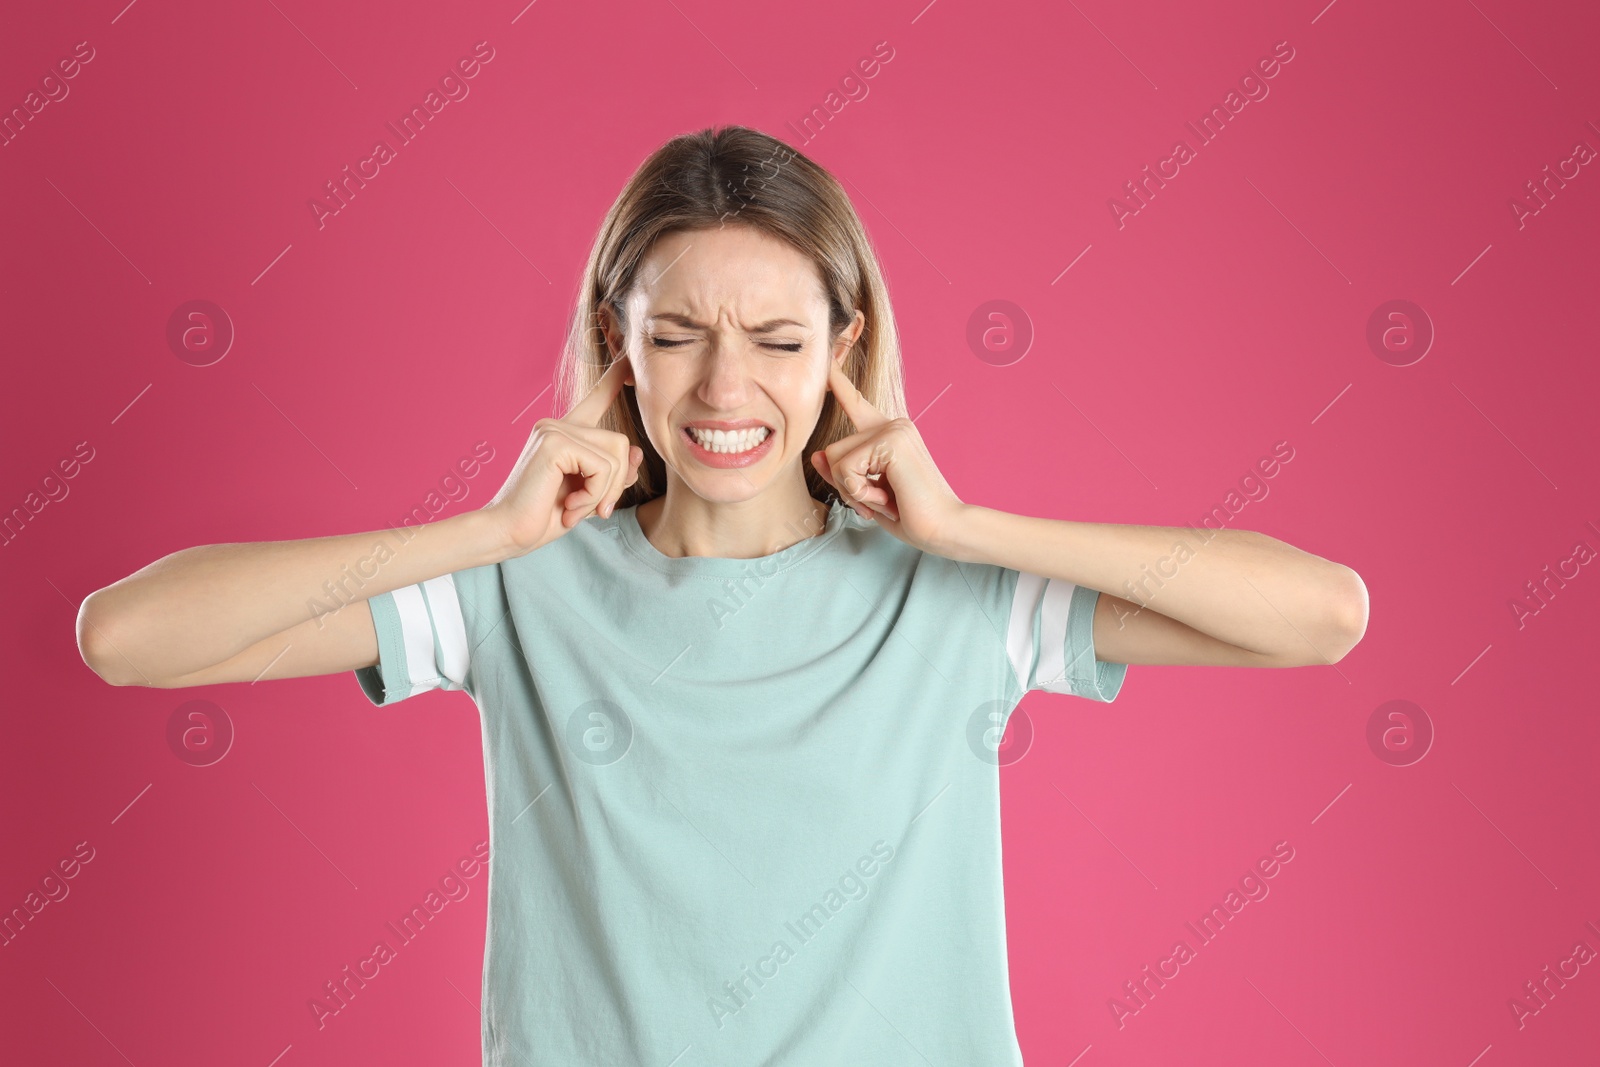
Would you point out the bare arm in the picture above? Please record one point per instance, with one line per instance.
(1241, 598)
(1222, 597)
(223, 613)
(289, 609)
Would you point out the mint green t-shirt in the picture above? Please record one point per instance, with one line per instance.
(742, 811)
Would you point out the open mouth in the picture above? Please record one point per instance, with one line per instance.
(728, 442)
(738, 447)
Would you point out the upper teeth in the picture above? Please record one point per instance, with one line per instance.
(729, 441)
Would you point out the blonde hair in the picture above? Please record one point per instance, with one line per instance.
(706, 180)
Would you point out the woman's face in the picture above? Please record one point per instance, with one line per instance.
(729, 332)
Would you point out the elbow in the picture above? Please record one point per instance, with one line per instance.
(99, 649)
(1348, 607)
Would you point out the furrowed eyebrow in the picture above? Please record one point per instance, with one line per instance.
(686, 321)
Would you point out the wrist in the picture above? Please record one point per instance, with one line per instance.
(954, 538)
(487, 538)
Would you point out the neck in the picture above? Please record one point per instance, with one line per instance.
(680, 523)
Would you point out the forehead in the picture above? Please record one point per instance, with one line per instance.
(735, 270)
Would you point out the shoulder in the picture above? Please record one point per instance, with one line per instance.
(951, 585)
(572, 560)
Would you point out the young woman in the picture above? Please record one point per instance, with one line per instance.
(741, 655)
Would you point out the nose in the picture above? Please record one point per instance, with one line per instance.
(725, 381)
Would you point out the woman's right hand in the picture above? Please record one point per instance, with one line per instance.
(569, 469)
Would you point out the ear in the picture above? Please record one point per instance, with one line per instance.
(848, 338)
(616, 344)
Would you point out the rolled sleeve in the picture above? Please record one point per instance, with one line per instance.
(422, 642)
(1051, 640)
(1086, 676)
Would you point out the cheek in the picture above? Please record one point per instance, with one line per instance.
(800, 391)
(806, 380)
(802, 399)
(654, 390)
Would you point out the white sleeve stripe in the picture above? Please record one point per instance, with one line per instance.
(1053, 635)
(417, 632)
(449, 627)
(1019, 633)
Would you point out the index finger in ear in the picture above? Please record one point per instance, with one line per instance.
(587, 412)
(858, 407)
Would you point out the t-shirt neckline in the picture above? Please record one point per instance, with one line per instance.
(725, 566)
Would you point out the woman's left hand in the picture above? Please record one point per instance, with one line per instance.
(885, 472)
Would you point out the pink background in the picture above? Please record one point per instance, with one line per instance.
(1228, 314)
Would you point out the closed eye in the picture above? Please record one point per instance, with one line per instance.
(785, 346)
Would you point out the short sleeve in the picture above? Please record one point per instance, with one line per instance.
(422, 642)
(1050, 639)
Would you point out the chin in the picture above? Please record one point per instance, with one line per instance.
(726, 487)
